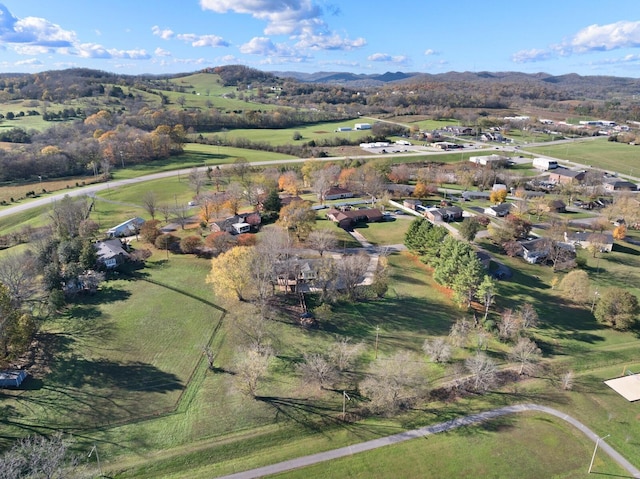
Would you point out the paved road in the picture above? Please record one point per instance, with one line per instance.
(426, 431)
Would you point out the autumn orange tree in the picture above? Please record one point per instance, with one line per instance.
(298, 217)
(498, 196)
(620, 232)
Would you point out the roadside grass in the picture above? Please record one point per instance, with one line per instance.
(598, 153)
(497, 448)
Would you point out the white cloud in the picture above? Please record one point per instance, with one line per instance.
(282, 17)
(429, 52)
(195, 39)
(619, 61)
(30, 62)
(528, 56)
(259, 46)
(612, 36)
(594, 38)
(274, 52)
(329, 42)
(386, 58)
(300, 19)
(165, 34)
(94, 50)
(33, 31)
(160, 52)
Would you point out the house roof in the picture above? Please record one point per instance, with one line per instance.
(501, 208)
(538, 244)
(335, 190)
(586, 236)
(620, 184)
(110, 249)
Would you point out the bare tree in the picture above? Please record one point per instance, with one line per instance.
(150, 203)
(197, 180)
(325, 279)
(394, 383)
(438, 350)
(182, 215)
(19, 273)
(322, 181)
(211, 356)
(241, 168)
(567, 380)
(318, 370)
(351, 270)
(165, 211)
(67, 214)
(528, 315)
(251, 366)
(482, 370)
(343, 353)
(38, 457)
(527, 353)
(510, 325)
(322, 240)
(460, 331)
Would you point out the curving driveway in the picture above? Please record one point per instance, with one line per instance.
(428, 430)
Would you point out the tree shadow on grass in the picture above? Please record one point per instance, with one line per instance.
(392, 315)
(76, 372)
(312, 415)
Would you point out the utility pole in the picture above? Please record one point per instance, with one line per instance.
(595, 449)
(377, 338)
(95, 449)
(593, 303)
(345, 397)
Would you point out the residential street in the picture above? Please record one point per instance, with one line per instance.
(429, 430)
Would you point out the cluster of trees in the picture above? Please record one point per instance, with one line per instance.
(91, 147)
(456, 264)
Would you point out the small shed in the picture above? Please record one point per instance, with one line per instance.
(12, 378)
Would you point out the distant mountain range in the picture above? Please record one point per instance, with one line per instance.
(569, 80)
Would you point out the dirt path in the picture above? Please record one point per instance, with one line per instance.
(428, 430)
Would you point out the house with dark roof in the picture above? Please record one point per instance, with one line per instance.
(498, 211)
(535, 251)
(348, 219)
(336, 193)
(445, 213)
(617, 184)
(111, 253)
(237, 224)
(565, 176)
(602, 241)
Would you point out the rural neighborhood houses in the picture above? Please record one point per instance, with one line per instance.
(603, 242)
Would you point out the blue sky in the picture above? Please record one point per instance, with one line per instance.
(164, 36)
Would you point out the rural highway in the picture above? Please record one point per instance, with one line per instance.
(429, 430)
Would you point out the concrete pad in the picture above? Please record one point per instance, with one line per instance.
(627, 386)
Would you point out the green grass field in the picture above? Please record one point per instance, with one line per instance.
(500, 448)
(598, 153)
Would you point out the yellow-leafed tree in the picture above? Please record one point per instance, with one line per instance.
(230, 273)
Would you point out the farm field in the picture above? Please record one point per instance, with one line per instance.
(598, 153)
(317, 132)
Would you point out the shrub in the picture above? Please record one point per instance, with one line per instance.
(191, 244)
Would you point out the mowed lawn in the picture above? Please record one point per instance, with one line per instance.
(125, 354)
(500, 448)
(599, 153)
